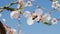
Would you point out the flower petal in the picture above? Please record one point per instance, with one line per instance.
(28, 4)
(48, 17)
(27, 14)
(39, 12)
(30, 21)
(54, 21)
(55, 4)
(14, 14)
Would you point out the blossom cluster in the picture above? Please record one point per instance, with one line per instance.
(37, 15)
(55, 4)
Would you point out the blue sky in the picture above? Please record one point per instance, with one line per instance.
(35, 28)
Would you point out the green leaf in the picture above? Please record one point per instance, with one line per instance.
(47, 23)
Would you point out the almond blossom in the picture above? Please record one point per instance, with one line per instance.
(39, 11)
(31, 17)
(13, 31)
(47, 16)
(27, 14)
(55, 5)
(15, 14)
(54, 21)
(37, 14)
(29, 4)
(20, 4)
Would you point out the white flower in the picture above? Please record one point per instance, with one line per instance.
(36, 15)
(55, 4)
(47, 16)
(11, 31)
(20, 4)
(14, 31)
(54, 21)
(30, 21)
(27, 14)
(38, 12)
(14, 14)
(28, 4)
(29, 17)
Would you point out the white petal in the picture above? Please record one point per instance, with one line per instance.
(14, 31)
(55, 4)
(28, 4)
(14, 14)
(30, 21)
(27, 14)
(45, 15)
(48, 18)
(20, 3)
(39, 11)
(54, 22)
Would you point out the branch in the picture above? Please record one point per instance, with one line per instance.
(7, 7)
